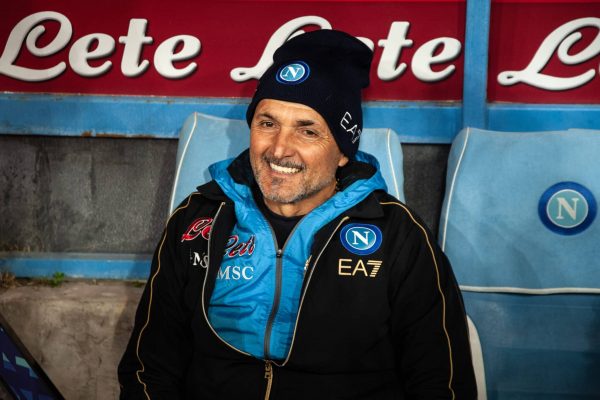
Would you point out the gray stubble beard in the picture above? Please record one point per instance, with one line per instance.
(305, 193)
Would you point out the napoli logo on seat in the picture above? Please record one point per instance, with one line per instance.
(361, 239)
(293, 73)
(567, 208)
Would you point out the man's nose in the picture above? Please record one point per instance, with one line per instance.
(282, 145)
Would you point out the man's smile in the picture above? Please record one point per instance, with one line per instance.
(283, 167)
(283, 170)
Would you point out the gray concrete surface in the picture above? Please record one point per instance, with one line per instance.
(98, 195)
(77, 332)
(425, 180)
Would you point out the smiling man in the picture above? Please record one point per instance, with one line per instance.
(294, 157)
(313, 282)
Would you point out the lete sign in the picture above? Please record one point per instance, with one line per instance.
(227, 45)
(545, 51)
(218, 48)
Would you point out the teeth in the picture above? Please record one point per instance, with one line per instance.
(284, 170)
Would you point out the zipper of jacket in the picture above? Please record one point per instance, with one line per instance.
(204, 286)
(276, 301)
(306, 265)
(278, 279)
(269, 378)
(308, 283)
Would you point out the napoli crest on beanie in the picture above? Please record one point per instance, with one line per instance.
(325, 70)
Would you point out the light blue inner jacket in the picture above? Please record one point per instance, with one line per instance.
(245, 290)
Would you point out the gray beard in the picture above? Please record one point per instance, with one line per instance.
(305, 193)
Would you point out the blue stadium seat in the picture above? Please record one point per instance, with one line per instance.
(519, 225)
(205, 139)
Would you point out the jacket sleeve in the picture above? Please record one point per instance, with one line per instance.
(155, 360)
(429, 322)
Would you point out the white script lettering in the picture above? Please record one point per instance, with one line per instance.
(30, 29)
(560, 42)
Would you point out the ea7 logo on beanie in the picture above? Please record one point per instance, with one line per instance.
(350, 127)
(293, 73)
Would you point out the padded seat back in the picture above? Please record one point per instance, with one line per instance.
(519, 226)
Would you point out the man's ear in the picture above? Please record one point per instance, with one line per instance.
(343, 161)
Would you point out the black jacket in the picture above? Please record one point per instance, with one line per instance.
(389, 325)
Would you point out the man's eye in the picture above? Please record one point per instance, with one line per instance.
(309, 133)
(267, 124)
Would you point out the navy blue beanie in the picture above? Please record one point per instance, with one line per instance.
(325, 70)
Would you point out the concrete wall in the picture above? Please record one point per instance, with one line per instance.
(77, 332)
(83, 194)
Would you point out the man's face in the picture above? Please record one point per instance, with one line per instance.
(293, 154)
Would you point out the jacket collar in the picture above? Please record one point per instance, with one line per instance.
(212, 191)
(238, 170)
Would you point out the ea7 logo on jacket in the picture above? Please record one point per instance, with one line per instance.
(361, 239)
(349, 267)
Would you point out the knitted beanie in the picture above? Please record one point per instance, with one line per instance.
(325, 70)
